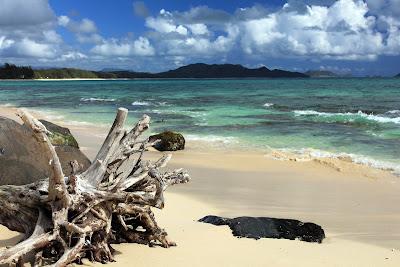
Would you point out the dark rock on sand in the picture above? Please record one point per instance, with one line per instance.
(169, 141)
(264, 227)
(22, 160)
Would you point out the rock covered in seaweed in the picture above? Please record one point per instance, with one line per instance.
(60, 136)
(169, 141)
(264, 227)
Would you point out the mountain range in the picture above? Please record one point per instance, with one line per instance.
(198, 70)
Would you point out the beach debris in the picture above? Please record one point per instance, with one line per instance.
(67, 218)
(168, 141)
(265, 227)
(2, 151)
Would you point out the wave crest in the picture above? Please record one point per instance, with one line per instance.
(94, 99)
(325, 157)
(348, 116)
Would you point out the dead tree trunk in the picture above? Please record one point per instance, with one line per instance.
(65, 219)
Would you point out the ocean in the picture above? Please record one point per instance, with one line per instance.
(350, 117)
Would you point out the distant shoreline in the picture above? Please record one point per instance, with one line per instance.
(221, 78)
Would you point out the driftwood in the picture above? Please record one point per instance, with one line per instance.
(65, 219)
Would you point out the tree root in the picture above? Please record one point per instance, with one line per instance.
(80, 216)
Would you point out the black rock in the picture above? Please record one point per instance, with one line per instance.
(169, 141)
(264, 227)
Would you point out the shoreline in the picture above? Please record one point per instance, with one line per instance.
(93, 135)
(357, 207)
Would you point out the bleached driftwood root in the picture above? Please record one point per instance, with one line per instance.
(65, 219)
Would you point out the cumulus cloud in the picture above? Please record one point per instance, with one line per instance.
(72, 56)
(27, 29)
(342, 30)
(85, 30)
(113, 47)
(25, 12)
(317, 30)
(83, 26)
(164, 23)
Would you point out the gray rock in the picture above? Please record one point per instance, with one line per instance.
(21, 160)
(264, 227)
(169, 141)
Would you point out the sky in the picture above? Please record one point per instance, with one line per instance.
(344, 36)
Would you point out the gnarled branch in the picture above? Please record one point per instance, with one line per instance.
(83, 214)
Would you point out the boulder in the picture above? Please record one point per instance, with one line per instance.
(265, 227)
(21, 160)
(60, 136)
(169, 141)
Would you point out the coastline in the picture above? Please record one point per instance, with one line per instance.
(357, 207)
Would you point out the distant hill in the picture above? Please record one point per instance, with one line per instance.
(201, 70)
(64, 73)
(321, 74)
(112, 69)
(326, 74)
(198, 70)
(397, 76)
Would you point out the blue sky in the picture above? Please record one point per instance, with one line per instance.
(345, 36)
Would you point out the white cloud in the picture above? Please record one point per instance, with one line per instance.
(165, 25)
(198, 28)
(72, 55)
(83, 26)
(113, 47)
(52, 36)
(342, 31)
(31, 48)
(5, 43)
(25, 12)
(63, 21)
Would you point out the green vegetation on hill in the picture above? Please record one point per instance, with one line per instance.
(10, 71)
(64, 73)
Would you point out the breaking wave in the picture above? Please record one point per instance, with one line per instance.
(309, 154)
(94, 99)
(140, 103)
(348, 116)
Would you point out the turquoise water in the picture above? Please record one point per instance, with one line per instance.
(354, 116)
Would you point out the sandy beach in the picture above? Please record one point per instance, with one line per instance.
(356, 205)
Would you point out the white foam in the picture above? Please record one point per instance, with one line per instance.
(212, 138)
(267, 105)
(94, 99)
(351, 116)
(140, 103)
(7, 105)
(49, 115)
(308, 154)
(395, 111)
